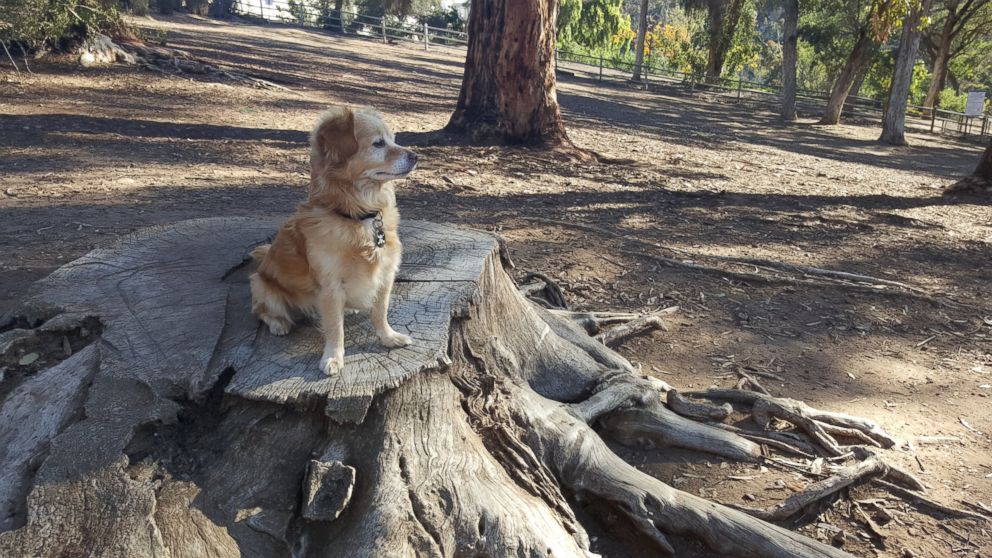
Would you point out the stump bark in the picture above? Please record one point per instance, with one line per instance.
(186, 430)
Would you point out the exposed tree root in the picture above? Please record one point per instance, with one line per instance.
(972, 185)
(592, 322)
(583, 463)
(544, 291)
(696, 410)
(654, 425)
(100, 49)
(927, 502)
(822, 491)
(614, 336)
(810, 420)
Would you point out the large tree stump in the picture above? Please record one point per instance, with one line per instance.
(186, 430)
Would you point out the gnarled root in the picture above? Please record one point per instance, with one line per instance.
(821, 491)
(582, 463)
(655, 425)
(819, 425)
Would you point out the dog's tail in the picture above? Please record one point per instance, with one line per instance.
(259, 253)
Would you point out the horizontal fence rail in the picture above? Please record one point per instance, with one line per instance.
(616, 68)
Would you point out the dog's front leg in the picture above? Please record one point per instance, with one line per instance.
(331, 306)
(387, 334)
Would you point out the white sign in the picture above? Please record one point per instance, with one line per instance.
(976, 103)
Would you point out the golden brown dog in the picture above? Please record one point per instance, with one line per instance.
(340, 250)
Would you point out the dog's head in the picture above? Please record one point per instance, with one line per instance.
(356, 146)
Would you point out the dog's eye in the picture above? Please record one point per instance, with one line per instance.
(379, 143)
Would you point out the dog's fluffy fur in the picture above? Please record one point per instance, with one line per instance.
(324, 259)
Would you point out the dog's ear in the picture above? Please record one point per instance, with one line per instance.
(333, 141)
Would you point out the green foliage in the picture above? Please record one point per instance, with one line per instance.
(590, 23)
(973, 67)
(300, 11)
(811, 72)
(57, 24)
(569, 12)
(745, 50)
(952, 100)
(680, 43)
(444, 19)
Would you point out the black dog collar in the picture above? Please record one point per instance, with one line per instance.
(378, 234)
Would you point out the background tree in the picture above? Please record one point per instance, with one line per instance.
(723, 17)
(980, 181)
(957, 25)
(642, 31)
(894, 117)
(590, 23)
(508, 89)
(872, 22)
(790, 39)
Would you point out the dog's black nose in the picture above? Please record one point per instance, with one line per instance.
(412, 157)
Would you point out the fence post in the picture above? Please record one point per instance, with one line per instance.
(740, 83)
(427, 41)
(261, 10)
(600, 67)
(556, 60)
(933, 117)
(385, 40)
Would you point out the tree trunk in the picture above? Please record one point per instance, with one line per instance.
(980, 181)
(789, 43)
(894, 117)
(723, 25)
(335, 20)
(185, 429)
(856, 63)
(940, 63)
(859, 80)
(642, 31)
(508, 89)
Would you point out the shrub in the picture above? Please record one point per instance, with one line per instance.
(58, 24)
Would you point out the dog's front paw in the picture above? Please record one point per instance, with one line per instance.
(277, 326)
(393, 339)
(331, 364)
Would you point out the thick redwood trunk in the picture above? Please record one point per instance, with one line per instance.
(790, 32)
(642, 31)
(856, 63)
(894, 118)
(508, 90)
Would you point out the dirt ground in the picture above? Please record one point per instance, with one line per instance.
(88, 155)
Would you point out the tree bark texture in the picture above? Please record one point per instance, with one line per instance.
(642, 31)
(789, 57)
(187, 430)
(940, 63)
(508, 90)
(980, 181)
(894, 117)
(856, 64)
(723, 16)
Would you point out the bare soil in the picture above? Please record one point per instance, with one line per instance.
(89, 155)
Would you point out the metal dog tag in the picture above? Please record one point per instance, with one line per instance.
(378, 232)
